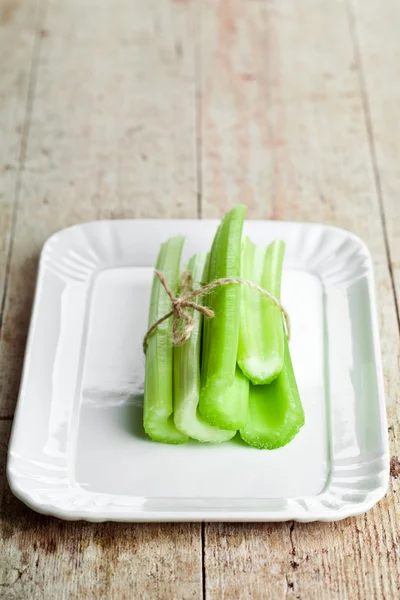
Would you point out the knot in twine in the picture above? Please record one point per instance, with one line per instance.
(180, 304)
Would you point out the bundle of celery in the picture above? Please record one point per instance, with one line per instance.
(234, 372)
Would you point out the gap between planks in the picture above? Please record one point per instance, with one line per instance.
(33, 71)
(198, 124)
(203, 562)
(371, 142)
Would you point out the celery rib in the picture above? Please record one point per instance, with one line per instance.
(187, 373)
(231, 406)
(158, 393)
(275, 411)
(222, 332)
(261, 333)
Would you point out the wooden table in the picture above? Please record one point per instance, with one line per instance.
(183, 108)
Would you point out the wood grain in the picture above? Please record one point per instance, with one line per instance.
(18, 21)
(235, 124)
(375, 27)
(46, 559)
(321, 164)
(111, 134)
(298, 118)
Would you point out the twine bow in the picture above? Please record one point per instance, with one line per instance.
(180, 304)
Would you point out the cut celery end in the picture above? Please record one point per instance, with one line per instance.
(229, 407)
(261, 333)
(222, 332)
(158, 400)
(275, 411)
(261, 370)
(189, 421)
(161, 428)
(187, 374)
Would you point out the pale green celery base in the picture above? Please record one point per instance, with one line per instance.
(263, 429)
(190, 422)
(161, 428)
(276, 414)
(273, 441)
(259, 371)
(261, 334)
(226, 406)
(217, 415)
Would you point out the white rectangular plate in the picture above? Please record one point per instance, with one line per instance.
(78, 449)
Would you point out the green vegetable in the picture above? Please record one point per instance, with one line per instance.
(158, 403)
(231, 406)
(187, 373)
(275, 411)
(198, 389)
(261, 333)
(222, 332)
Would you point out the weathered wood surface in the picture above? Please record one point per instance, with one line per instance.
(166, 108)
(111, 134)
(375, 27)
(317, 155)
(17, 75)
(42, 557)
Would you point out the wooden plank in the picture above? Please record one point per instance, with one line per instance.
(46, 559)
(112, 135)
(237, 165)
(317, 158)
(248, 560)
(375, 33)
(235, 124)
(375, 30)
(17, 22)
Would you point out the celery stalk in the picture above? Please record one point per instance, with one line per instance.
(261, 333)
(231, 406)
(222, 332)
(187, 373)
(208, 301)
(158, 400)
(275, 411)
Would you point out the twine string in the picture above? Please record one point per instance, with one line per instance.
(180, 304)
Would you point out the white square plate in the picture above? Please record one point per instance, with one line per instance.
(78, 450)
